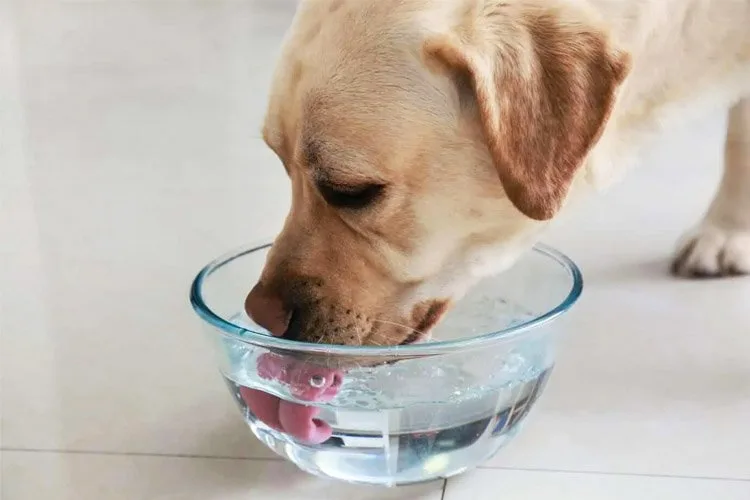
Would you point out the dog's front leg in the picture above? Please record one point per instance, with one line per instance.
(720, 246)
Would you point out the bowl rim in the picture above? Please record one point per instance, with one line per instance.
(244, 335)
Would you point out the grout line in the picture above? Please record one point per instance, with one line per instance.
(445, 483)
(622, 474)
(139, 454)
(445, 487)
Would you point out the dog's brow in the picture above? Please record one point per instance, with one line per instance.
(326, 163)
(311, 152)
(314, 157)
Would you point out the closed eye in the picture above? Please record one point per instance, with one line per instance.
(351, 197)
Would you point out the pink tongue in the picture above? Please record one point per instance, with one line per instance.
(306, 382)
(299, 421)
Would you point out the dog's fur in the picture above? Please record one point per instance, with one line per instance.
(457, 129)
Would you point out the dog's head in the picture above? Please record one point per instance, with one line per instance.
(427, 143)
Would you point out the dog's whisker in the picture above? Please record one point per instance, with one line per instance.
(377, 335)
(393, 323)
(374, 340)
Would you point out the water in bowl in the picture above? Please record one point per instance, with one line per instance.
(410, 444)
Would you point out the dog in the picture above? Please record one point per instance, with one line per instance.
(429, 143)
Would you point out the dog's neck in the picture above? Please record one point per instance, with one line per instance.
(680, 69)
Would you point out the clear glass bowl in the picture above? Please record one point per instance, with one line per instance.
(393, 415)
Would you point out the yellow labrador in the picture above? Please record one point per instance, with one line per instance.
(429, 142)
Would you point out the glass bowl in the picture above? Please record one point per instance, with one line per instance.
(393, 415)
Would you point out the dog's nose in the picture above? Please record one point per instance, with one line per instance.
(267, 310)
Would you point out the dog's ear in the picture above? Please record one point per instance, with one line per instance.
(542, 81)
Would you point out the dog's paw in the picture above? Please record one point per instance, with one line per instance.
(712, 252)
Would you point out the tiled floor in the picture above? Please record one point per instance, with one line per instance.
(129, 156)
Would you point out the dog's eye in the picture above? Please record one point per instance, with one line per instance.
(351, 196)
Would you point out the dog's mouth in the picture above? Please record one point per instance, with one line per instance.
(428, 314)
(414, 338)
(405, 331)
(425, 316)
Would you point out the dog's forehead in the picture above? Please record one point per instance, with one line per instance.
(342, 45)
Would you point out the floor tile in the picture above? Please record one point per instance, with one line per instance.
(522, 485)
(33, 476)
